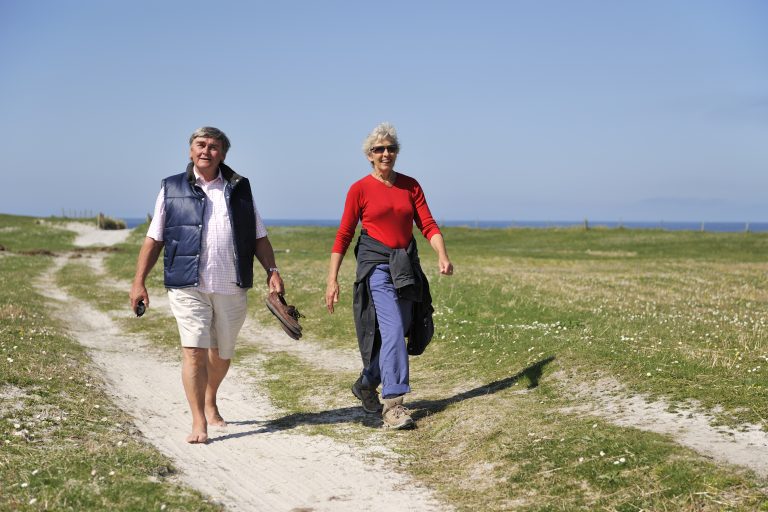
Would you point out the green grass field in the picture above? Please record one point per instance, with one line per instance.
(676, 315)
(63, 444)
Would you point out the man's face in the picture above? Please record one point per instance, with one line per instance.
(206, 153)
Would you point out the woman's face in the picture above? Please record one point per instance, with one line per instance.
(382, 156)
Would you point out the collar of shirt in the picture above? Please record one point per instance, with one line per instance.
(201, 181)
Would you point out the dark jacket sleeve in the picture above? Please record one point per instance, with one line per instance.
(422, 326)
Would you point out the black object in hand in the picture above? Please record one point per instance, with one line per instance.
(140, 308)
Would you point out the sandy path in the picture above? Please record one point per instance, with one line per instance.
(608, 400)
(89, 235)
(253, 464)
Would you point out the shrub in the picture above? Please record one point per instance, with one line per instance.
(105, 222)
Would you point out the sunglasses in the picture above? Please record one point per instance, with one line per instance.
(380, 149)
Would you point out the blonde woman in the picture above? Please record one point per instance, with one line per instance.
(391, 292)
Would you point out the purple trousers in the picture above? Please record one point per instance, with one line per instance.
(389, 365)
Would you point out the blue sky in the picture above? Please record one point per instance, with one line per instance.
(509, 110)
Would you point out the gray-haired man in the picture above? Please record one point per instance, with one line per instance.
(208, 223)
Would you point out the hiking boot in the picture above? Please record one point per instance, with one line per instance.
(369, 397)
(395, 415)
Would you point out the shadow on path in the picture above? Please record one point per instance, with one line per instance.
(355, 414)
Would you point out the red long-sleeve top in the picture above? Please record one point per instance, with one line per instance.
(387, 213)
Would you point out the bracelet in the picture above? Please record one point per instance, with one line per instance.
(273, 269)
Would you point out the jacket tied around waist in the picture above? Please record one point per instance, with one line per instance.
(409, 281)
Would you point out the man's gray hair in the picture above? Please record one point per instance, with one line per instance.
(211, 133)
(382, 131)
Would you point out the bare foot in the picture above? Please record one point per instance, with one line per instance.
(214, 418)
(199, 433)
(197, 438)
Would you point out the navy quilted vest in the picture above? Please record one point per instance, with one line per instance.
(182, 233)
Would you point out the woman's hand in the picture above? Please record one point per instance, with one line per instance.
(332, 290)
(445, 266)
(331, 295)
(443, 262)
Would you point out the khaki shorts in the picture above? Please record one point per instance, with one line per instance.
(208, 320)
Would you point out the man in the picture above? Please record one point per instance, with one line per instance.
(208, 223)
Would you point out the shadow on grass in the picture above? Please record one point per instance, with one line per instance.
(356, 415)
(532, 373)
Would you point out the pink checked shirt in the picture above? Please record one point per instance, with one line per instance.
(217, 259)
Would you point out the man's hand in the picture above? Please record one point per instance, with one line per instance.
(275, 283)
(266, 256)
(138, 292)
(148, 254)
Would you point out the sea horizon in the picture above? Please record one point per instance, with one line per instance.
(714, 226)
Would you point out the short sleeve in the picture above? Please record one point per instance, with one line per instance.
(157, 225)
(261, 229)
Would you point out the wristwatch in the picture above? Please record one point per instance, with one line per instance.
(272, 269)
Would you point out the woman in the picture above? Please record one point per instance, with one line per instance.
(391, 293)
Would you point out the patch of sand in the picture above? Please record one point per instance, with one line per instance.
(608, 400)
(89, 235)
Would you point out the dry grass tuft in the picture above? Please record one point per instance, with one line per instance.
(11, 312)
